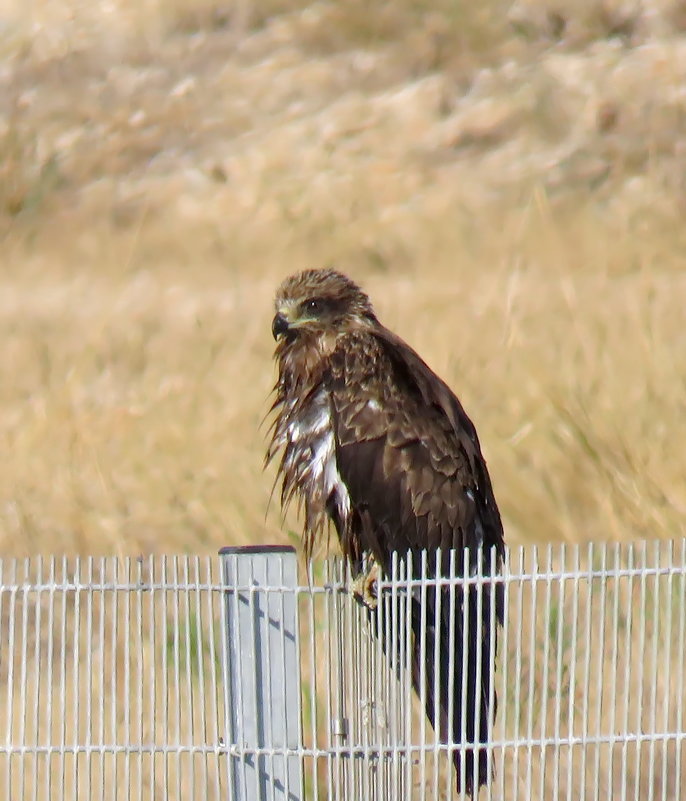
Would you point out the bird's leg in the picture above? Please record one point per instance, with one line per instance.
(364, 584)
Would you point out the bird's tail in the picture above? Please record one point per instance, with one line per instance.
(452, 670)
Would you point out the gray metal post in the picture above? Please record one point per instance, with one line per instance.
(262, 673)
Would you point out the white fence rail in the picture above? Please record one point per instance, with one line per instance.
(186, 678)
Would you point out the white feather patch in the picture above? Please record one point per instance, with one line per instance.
(312, 438)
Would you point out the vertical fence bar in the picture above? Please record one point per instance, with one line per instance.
(654, 630)
(349, 689)
(503, 695)
(314, 687)
(598, 670)
(531, 688)
(543, 709)
(380, 785)
(78, 679)
(517, 642)
(628, 655)
(560, 664)
(262, 665)
(407, 657)
(137, 635)
(614, 663)
(23, 706)
(50, 673)
(36, 703)
(680, 636)
(666, 657)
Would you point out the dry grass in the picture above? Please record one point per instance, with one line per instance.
(507, 186)
(507, 182)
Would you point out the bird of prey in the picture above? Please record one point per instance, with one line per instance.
(371, 439)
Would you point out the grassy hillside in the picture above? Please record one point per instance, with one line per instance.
(506, 179)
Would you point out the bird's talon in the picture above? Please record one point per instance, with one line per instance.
(364, 587)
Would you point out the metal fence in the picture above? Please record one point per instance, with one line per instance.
(245, 677)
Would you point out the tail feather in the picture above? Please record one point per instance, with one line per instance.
(463, 638)
(462, 643)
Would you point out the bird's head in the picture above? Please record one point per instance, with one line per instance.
(318, 303)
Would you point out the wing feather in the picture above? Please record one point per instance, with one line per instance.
(407, 451)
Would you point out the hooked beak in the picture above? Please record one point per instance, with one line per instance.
(279, 325)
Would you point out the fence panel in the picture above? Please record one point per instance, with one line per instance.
(119, 680)
(110, 679)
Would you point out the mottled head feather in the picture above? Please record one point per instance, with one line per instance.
(339, 296)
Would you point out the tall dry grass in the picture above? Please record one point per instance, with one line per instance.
(507, 182)
(506, 185)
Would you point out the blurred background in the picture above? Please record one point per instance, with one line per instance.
(506, 179)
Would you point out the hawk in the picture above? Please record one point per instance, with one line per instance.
(371, 439)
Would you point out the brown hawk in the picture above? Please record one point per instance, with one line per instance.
(373, 440)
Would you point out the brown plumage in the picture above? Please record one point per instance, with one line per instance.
(373, 440)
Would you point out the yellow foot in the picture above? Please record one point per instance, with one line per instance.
(364, 586)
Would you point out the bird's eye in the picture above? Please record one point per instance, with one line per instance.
(314, 306)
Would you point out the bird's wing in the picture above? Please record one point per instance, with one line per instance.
(407, 452)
